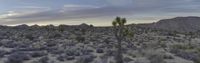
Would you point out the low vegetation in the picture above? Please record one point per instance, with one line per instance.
(88, 44)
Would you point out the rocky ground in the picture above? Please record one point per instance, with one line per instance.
(88, 44)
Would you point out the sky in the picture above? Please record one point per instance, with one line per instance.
(96, 12)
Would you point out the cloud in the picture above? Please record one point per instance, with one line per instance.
(73, 7)
(119, 2)
(79, 6)
(130, 8)
(79, 12)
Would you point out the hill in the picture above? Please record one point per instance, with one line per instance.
(180, 24)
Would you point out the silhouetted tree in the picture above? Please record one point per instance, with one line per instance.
(120, 32)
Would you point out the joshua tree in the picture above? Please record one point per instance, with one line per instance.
(120, 32)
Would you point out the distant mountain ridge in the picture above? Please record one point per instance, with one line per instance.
(180, 24)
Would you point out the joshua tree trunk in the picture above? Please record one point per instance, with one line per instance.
(119, 37)
(119, 52)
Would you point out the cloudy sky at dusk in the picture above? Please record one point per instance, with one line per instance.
(97, 12)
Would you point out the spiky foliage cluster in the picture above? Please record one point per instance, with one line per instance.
(120, 28)
(120, 32)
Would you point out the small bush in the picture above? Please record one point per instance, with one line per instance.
(85, 59)
(110, 52)
(17, 58)
(51, 44)
(156, 58)
(61, 58)
(80, 39)
(127, 59)
(56, 51)
(168, 57)
(70, 58)
(189, 56)
(77, 53)
(70, 53)
(38, 54)
(2, 53)
(99, 50)
(65, 57)
(133, 55)
(44, 60)
(183, 47)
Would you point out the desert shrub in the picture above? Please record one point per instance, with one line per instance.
(132, 55)
(13, 60)
(22, 45)
(44, 60)
(85, 59)
(51, 44)
(1, 44)
(31, 49)
(189, 56)
(65, 57)
(131, 46)
(29, 36)
(102, 45)
(57, 35)
(196, 60)
(77, 53)
(80, 39)
(17, 58)
(168, 57)
(54, 35)
(70, 58)
(56, 51)
(163, 45)
(127, 59)
(156, 58)
(89, 50)
(99, 50)
(10, 45)
(175, 50)
(23, 55)
(110, 52)
(61, 58)
(104, 58)
(70, 43)
(142, 60)
(38, 54)
(70, 53)
(183, 47)
(86, 51)
(2, 53)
